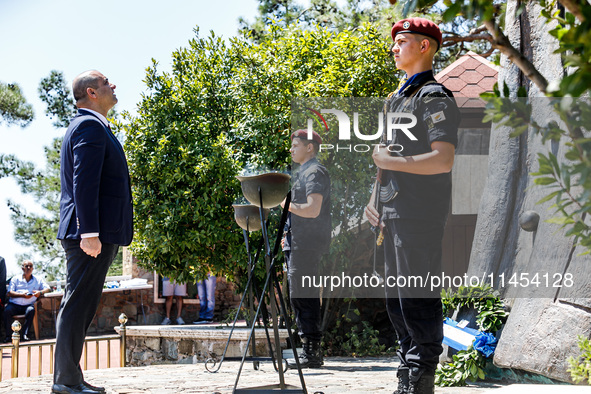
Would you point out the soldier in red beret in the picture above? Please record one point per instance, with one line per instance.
(412, 220)
(307, 238)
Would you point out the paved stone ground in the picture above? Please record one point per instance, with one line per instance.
(340, 375)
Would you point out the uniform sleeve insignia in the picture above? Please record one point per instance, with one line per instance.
(311, 171)
(438, 117)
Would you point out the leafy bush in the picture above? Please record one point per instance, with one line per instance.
(466, 365)
(356, 340)
(580, 369)
(226, 105)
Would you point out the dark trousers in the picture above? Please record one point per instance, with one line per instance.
(305, 301)
(14, 309)
(84, 286)
(414, 248)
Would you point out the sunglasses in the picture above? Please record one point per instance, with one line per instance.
(27, 266)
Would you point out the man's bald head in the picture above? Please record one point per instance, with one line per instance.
(88, 79)
(92, 90)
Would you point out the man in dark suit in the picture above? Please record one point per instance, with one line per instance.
(2, 281)
(95, 218)
(3, 287)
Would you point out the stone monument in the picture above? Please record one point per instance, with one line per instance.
(542, 329)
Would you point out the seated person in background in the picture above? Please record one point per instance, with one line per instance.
(23, 292)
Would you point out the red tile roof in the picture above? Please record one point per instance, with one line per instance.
(469, 76)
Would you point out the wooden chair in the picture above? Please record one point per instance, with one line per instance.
(35, 320)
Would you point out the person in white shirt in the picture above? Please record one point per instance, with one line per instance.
(23, 292)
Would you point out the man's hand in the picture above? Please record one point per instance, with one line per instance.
(37, 294)
(91, 246)
(381, 157)
(372, 214)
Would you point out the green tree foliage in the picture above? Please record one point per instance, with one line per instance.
(14, 109)
(460, 33)
(225, 106)
(322, 13)
(54, 92)
(10, 165)
(569, 180)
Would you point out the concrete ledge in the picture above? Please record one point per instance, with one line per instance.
(190, 344)
(197, 332)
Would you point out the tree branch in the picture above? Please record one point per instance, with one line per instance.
(574, 8)
(478, 29)
(502, 43)
(451, 40)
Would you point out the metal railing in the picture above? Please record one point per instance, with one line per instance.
(16, 345)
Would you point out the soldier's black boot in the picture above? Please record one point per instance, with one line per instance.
(311, 356)
(403, 380)
(421, 381)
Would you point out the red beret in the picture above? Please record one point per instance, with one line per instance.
(418, 25)
(303, 134)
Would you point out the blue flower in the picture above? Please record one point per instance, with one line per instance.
(485, 343)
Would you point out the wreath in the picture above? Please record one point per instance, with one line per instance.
(491, 315)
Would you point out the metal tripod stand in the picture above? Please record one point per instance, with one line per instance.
(260, 194)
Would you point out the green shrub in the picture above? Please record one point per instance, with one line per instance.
(580, 369)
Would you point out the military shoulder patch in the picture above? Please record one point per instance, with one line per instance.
(438, 117)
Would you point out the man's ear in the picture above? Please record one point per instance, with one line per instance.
(425, 44)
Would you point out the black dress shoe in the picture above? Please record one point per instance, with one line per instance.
(95, 388)
(76, 389)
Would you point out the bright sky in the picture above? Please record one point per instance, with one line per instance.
(118, 38)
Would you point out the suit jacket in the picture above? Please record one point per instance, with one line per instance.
(2, 280)
(95, 186)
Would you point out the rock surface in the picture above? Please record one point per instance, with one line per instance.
(542, 329)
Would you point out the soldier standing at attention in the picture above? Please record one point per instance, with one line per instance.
(307, 238)
(412, 221)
